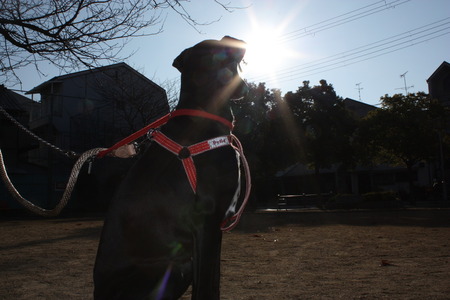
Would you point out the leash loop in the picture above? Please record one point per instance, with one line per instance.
(231, 222)
(67, 192)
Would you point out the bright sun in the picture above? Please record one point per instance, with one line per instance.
(265, 54)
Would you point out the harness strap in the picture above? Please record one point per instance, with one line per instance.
(185, 154)
(163, 120)
(188, 163)
(202, 114)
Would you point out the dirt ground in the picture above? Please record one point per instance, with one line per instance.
(403, 254)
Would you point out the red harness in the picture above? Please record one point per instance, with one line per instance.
(186, 153)
(161, 121)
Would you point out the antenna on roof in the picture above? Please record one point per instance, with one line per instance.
(406, 86)
(359, 88)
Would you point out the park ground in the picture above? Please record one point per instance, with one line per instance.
(359, 254)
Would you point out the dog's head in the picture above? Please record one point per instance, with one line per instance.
(209, 70)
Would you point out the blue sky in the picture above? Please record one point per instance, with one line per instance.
(346, 42)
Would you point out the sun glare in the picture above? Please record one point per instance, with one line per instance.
(265, 54)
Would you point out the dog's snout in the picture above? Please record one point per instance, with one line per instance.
(241, 89)
(244, 88)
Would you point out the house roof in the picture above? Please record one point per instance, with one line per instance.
(359, 108)
(444, 67)
(61, 78)
(10, 100)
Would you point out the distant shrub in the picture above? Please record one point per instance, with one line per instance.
(380, 196)
(342, 201)
(373, 200)
(380, 200)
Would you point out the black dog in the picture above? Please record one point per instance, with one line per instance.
(163, 228)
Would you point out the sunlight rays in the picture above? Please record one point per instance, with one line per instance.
(265, 52)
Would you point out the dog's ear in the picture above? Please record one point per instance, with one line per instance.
(236, 48)
(210, 54)
(180, 61)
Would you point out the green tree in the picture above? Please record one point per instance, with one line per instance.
(254, 129)
(324, 128)
(404, 131)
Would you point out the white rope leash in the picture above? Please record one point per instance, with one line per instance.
(67, 193)
(234, 220)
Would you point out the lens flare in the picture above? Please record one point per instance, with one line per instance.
(163, 284)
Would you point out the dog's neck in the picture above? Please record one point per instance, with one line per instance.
(215, 106)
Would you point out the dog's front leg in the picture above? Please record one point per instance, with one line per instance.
(206, 282)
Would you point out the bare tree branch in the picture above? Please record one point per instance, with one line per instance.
(78, 33)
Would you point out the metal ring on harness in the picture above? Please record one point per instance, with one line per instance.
(184, 153)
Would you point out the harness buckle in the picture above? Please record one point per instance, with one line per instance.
(184, 153)
(150, 133)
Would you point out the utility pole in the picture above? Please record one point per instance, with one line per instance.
(404, 80)
(359, 88)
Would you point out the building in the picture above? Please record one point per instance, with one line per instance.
(439, 84)
(85, 110)
(357, 108)
(94, 108)
(15, 145)
(439, 88)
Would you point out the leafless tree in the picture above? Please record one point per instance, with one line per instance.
(131, 100)
(78, 33)
(172, 87)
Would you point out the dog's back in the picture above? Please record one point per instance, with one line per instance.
(160, 235)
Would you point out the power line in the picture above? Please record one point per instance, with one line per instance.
(382, 47)
(339, 20)
(361, 49)
(314, 72)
